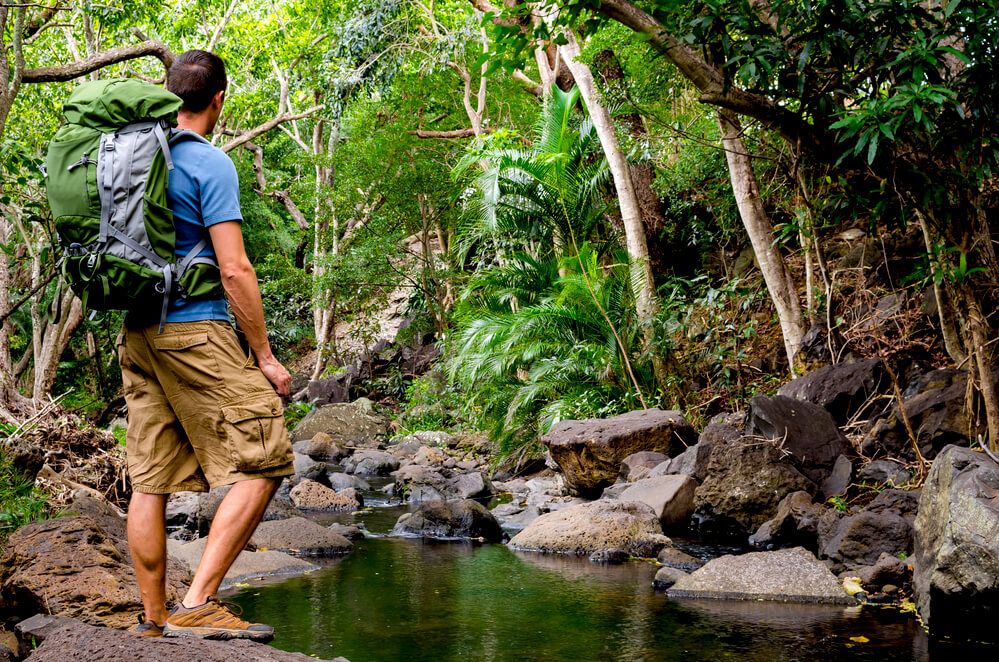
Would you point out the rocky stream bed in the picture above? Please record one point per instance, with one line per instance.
(784, 532)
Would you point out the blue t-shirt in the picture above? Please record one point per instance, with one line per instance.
(202, 190)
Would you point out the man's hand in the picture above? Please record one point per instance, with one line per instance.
(276, 375)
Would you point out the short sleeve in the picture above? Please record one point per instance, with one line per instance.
(219, 187)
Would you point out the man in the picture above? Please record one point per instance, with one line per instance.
(202, 413)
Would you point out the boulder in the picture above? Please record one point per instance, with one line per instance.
(471, 486)
(248, 565)
(353, 425)
(837, 482)
(671, 497)
(299, 537)
(889, 472)
(723, 429)
(321, 448)
(804, 430)
(430, 457)
(514, 517)
(667, 577)
(787, 575)
(841, 389)
(590, 452)
(743, 487)
(672, 557)
(449, 520)
(586, 528)
(348, 531)
(73, 640)
(341, 481)
(182, 510)
(860, 539)
(956, 575)
(280, 507)
(70, 566)
(610, 556)
(306, 467)
(901, 502)
(887, 570)
(310, 495)
(371, 463)
(420, 483)
(795, 524)
(637, 465)
(935, 407)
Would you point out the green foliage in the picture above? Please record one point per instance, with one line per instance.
(294, 412)
(20, 501)
(432, 403)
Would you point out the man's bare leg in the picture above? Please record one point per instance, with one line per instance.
(147, 542)
(235, 521)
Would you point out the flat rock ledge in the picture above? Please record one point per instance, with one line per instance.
(248, 565)
(66, 639)
(787, 575)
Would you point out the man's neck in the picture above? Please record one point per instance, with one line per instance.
(199, 123)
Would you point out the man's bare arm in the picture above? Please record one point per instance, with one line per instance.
(241, 287)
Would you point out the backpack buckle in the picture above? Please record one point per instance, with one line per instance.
(160, 287)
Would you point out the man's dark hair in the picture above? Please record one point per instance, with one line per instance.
(197, 76)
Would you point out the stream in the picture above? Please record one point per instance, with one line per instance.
(414, 600)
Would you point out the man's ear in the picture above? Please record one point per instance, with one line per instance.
(218, 99)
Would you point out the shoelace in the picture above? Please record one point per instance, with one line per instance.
(234, 609)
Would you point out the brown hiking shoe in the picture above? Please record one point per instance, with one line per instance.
(146, 628)
(214, 620)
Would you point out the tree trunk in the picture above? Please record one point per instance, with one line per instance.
(760, 231)
(646, 303)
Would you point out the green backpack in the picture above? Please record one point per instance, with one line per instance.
(107, 170)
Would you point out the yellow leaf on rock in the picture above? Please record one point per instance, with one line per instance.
(860, 640)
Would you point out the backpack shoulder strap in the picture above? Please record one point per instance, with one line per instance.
(180, 135)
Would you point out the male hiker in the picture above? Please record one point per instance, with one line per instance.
(202, 412)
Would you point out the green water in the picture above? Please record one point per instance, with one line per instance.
(399, 599)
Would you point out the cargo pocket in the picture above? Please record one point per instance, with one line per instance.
(254, 430)
(189, 357)
(131, 379)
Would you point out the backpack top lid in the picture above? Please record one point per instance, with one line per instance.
(110, 104)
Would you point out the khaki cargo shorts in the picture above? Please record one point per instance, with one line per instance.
(200, 412)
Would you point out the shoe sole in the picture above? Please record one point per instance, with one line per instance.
(216, 633)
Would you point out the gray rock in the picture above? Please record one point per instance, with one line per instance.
(371, 463)
(586, 528)
(838, 481)
(884, 471)
(666, 577)
(310, 495)
(280, 507)
(795, 524)
(672, 557)
(805, 430)
(470, 486)
(861, 539)
(901, 502)
(842, 389)
(349, 425)
(306, 467)
(723, 429)
(299, 537)
(248, 565)
(956, 575)
(182, 510)
(787, 575)
(341, 481)
(321, 448)
(671, 497)
(74, 640)
(614, 491)
(419, 483)
(450, 519)
(610, 556)
(637, 465)
(743, 487)
(935, 407)
(888, 570)
(589, 453)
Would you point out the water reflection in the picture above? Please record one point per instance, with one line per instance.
(411, 600)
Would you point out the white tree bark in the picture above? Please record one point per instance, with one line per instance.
(631, 214)
(760, 230)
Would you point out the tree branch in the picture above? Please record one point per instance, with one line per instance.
(99, 61)
(250, 134)
(283, 196)
(213, 42)
(457, 133)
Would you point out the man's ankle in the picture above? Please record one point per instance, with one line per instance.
(191, 603)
